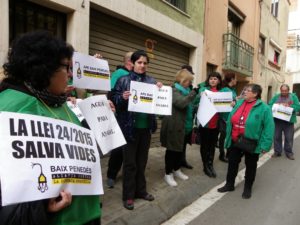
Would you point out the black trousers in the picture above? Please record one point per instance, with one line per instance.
(209, 138)
(235, 156)
(172, 161)
(115, 163)
(135, 157)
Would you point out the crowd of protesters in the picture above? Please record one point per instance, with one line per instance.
(35, 81)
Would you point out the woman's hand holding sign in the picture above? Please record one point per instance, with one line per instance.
(61, 202)
(126, 95)
(159, 84)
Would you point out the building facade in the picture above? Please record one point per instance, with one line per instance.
(272, 46)
(245, 28)
(293, 46)
(170, 31)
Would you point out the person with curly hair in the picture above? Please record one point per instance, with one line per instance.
(36, 78)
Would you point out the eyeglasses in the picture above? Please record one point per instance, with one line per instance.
(67, 66)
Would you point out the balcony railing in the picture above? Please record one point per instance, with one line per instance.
(238, 55)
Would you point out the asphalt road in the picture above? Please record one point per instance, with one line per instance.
(275, 197)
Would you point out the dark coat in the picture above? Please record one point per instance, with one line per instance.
(124, 117)
(172, 132)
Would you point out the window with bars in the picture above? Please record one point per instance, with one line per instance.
(274, 8)
(180, 4)
(26, 16)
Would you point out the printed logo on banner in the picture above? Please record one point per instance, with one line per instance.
(146, 97)
(78, 72)
(42, 179)
(135, 97)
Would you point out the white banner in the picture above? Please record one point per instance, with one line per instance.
(75, 109)
(282, 112)
(206, 110)
(148, 98)
(90, 72)
(41, 156)
(221, 100)
(102, 122)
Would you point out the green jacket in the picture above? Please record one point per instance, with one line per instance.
(295, 105)
(116, 75)
(225, 115)
(172, 131)
(259, 125)
(83, 208)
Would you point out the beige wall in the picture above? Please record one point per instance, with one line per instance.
(4, 27)
(274, 29)
(216, 25)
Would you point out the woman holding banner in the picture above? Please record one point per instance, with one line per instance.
(209, 132)
(36, 83)
(137, 128)
(175, 128)
(250, 130)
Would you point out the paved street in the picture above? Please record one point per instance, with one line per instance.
(275, 199)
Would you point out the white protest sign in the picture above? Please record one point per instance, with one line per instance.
(41, 156)
(102, 122)
(148, 98)
(75, 109)
(221, 100)
(163, 100)
(206, 110)
(282, 112)
(90, 72)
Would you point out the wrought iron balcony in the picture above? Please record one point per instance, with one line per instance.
(238, 55)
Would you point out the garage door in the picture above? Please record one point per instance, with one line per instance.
(113, 37)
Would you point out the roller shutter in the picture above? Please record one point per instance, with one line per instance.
(113, 37)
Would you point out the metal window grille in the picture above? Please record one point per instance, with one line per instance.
(26, 16)
(180, 4)
(238, 55)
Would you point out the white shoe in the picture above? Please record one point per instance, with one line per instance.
(170, 180)
(180, 175)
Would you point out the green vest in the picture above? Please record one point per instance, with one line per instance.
(83, 208)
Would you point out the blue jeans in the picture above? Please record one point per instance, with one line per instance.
(287, 129)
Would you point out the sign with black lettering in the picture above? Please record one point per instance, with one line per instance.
(221, 100)
(148, 98)
(102, 122)
(90, 72)
(44, 156)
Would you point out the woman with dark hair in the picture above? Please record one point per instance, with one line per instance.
(250, 124)
(229, 83)
(36, 83)
(137, 128)
(209, 133)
